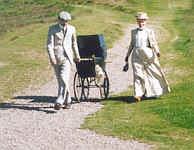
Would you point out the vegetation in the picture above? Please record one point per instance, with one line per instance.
(166, 122)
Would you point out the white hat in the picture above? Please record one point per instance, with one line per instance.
(141, 15)
(63, 15)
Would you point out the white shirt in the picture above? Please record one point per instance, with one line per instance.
(141, 39)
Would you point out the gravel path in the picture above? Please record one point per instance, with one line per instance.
(29, 122)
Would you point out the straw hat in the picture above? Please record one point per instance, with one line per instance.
(63, 15)
(141, 15)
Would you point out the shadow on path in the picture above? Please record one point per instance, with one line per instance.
(38, 99)
(31, 103)
(30, 106)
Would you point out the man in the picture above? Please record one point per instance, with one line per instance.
(61, 47)
(149, 80)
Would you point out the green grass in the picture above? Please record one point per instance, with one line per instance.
(18, 13)
(23, 52)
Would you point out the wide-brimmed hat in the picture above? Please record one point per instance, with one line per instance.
(142, 15)
(63, 15)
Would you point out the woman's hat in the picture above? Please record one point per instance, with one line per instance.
(63, 15)
(141, 15)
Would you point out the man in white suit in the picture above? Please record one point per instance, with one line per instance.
(149, 80)
(63, 51)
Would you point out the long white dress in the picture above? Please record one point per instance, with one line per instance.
(149, 79)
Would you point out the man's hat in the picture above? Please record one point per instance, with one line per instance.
(63, 15)
(141, 15)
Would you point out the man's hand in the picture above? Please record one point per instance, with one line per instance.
(53, 62)
(77, 59)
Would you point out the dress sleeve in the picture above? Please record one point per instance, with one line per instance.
(153, 42)
(131, 46)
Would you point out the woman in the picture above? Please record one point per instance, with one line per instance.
(149, 80)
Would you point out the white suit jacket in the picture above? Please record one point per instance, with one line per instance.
(151, 40)
(61, 44)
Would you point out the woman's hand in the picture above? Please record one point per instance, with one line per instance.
(126, 59)
(126, 67)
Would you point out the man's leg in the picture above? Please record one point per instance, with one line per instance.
(60, 99)
(65, 76)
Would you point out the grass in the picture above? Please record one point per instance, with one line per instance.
(24, 55)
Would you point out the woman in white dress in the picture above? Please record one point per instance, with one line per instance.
(149, 80)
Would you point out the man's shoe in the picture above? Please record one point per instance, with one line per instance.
(57, 106)
(138, 98)
(68, 106)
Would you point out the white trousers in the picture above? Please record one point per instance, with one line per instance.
(63, 72)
